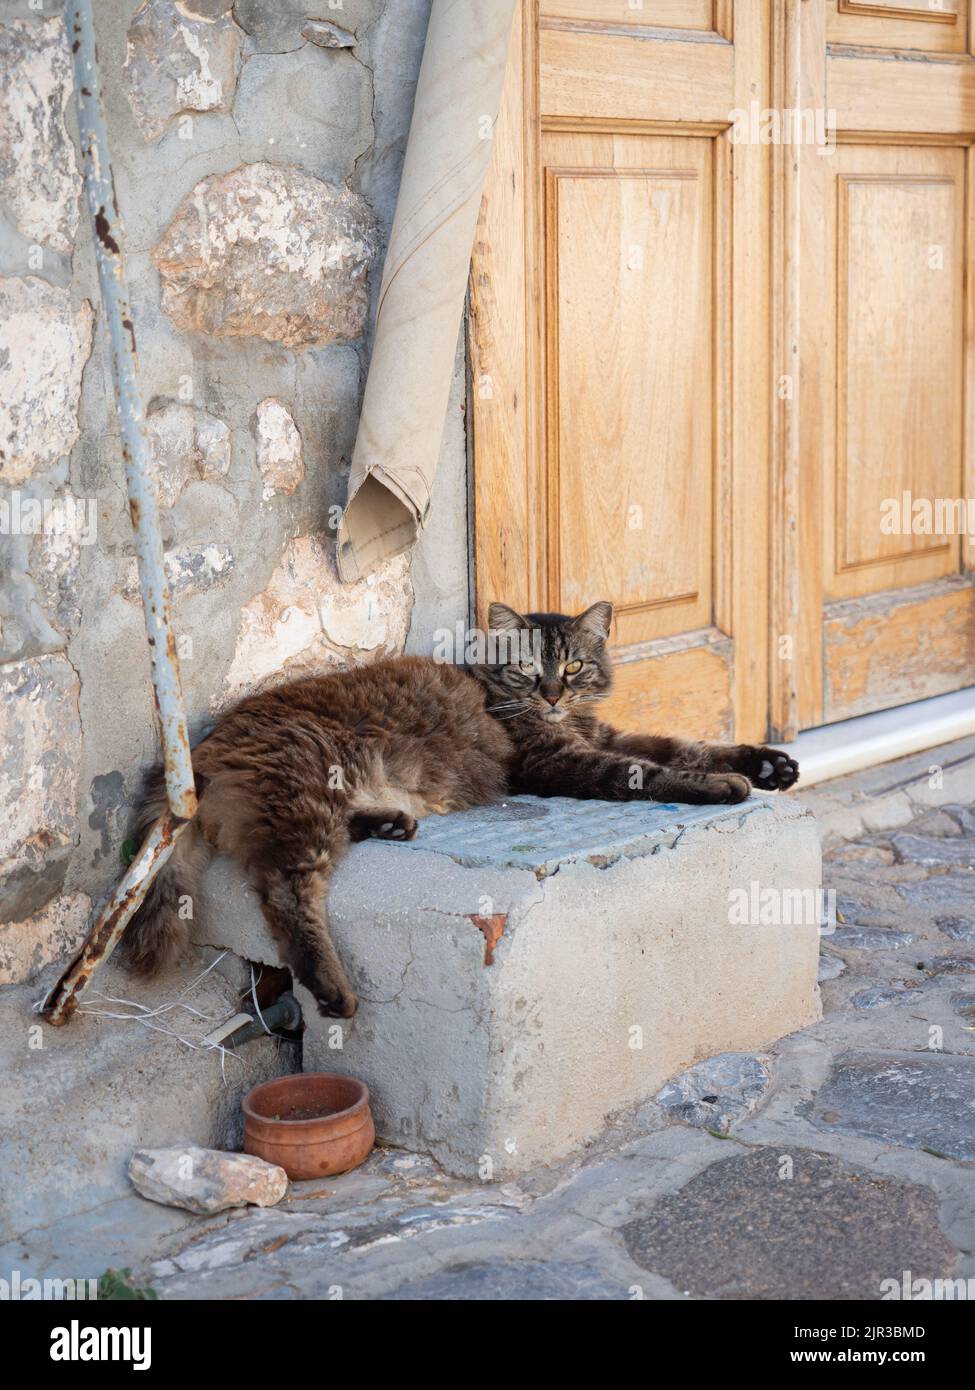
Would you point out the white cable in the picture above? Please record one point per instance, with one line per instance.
(151, 1018)
(256, 1004)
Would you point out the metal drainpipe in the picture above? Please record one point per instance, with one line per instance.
(283, 1016)
(180, 790)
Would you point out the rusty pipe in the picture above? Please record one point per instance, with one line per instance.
(144, 510)
(119, 908)
(139, 469)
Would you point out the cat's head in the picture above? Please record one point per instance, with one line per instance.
(546, 666)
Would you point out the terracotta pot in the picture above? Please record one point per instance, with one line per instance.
(313, 1124)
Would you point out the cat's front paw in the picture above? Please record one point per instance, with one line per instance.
(702, 789)
(771, 769)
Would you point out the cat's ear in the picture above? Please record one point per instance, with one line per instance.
(501, 618)
(596, 620)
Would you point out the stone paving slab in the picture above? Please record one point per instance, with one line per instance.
(513, 1280)
(957, 928)
(924, 1102)
(766, 1225)
(713, 1093)
(942, 893)
(870, 938)
(931, 850)
(879, 996)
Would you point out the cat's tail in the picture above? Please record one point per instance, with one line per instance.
(157, 934)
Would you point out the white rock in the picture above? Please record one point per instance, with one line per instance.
(39, 176)
(44, 345)
(307, 620)
(278, 449)
(180, 57)
(55, 557)
(40, 757)
(206, 1180)
(326, 35)
(190, 569)
(268, 252)
(186, 443)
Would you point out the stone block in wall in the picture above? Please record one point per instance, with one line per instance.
(307, 619)
(323, 105)
(268, 252)
(324, 34)
(278, 449)
(39, 178)
(190, 569)
(44, 344)
(55, 560)
(186, 443)
(40, 759)
(278, 27)
(180, 58)
(56, 930)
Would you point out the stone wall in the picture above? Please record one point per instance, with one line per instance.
(257, 151)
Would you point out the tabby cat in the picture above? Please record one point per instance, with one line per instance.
(289, 778)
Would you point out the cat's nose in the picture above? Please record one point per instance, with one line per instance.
(552, 693)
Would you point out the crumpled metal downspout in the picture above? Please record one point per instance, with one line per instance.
(143, 507)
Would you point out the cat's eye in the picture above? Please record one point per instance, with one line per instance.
(573, 668)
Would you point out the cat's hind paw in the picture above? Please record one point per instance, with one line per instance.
(727, 788)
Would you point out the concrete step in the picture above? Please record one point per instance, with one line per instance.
(77, 1100)
(529, 969)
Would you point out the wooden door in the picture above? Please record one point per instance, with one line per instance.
(619, 349)
(874, 289)
(710, 375)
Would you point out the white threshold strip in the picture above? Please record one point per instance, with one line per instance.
(854, 744)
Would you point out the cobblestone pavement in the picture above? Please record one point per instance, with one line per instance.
(841, 1158)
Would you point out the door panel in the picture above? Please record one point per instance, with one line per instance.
(643, 276)
(890, 648)
(940, 28)
(630, 438)
(885, 352)
(663, 14)
(897, 231)
(587, 75)
(689, 689)
(877, 96)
